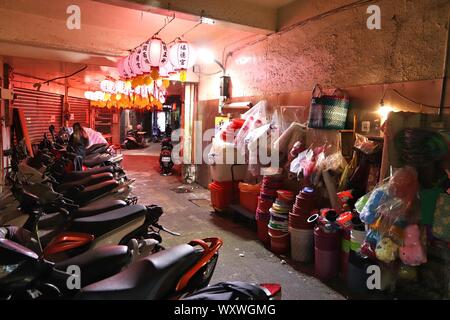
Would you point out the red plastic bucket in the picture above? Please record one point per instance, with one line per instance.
(279, 241)
(262, 231)
(326, 254)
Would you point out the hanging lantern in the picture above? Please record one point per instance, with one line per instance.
(154, 55)
(119, 86)
(135, 63)
(127, 67)
(99, 95)
(121, 68)
(165, 83)
(182, 55)
(107, 86)
(89, 95)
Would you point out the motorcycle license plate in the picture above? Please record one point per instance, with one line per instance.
(165, 159)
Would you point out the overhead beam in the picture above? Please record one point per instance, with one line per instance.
(234, 13)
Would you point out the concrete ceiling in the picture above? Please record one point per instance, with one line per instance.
(36, 41)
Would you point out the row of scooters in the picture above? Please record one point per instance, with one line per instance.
(85, 238)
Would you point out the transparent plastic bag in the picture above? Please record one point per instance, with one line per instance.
(254, 118)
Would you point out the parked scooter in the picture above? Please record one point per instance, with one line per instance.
(176, 273)
(130, 225)
(134, 139)
(165, 157)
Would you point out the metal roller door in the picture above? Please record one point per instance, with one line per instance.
(79, 111)
(41, 109)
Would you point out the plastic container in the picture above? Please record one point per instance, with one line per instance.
(221, 194)
(248, 196)
(357, 239)
(326, 254)
(302, 244)
(279, 241)
(345, 253)
(264, 204)
(262, 231)
(299, 222)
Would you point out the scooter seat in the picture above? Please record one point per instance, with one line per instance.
(87, 181)
(93, 191)
(98, 263)
(99, 206)
(100, 224)
(96, 159)
(78, 175)
(97, 148)
(151, 278)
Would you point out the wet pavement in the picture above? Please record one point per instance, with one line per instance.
(242, 257)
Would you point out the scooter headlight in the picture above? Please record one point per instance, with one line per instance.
(6, 270)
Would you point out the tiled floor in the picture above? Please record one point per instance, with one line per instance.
(242, 256)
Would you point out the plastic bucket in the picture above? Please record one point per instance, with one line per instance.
(302, 244)
(248, 200)
(279, 241)
(262, 231)
(357, 238)
(326, 254)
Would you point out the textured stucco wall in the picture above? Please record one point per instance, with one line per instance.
(339, 51)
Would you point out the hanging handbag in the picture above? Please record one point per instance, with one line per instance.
(328, 111)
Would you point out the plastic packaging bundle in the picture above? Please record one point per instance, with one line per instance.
(254, 118)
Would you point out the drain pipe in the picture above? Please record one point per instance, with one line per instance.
(444, 78)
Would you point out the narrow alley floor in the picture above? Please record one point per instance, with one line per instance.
(242, 256)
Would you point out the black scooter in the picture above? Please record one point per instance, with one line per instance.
(134, 140)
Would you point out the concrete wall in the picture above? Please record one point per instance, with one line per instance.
(340, 51)
(407, 54)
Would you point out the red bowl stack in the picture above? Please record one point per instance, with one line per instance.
(267, 196)
(305, 204)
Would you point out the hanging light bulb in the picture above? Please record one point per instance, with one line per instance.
(154, 55)
(182, 55)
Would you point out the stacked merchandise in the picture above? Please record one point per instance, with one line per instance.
(267, 195)
(248, 196)
(300, 229)
(278, 224)
(221, 194)
(228, 134)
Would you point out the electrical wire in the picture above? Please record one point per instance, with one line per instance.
(302, 23)
(182, 36)
(39, 84)
(416, 102)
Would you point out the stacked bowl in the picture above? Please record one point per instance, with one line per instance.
(301, 231)
(278, 227)
(266, 198)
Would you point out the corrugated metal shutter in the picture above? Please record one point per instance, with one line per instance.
(103, 120)
(41, 109)
(79, 108)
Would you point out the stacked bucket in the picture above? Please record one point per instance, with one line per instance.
(278, 228)
(301, 231)
(267, 196)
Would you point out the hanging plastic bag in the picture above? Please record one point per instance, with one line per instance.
(254, 118)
